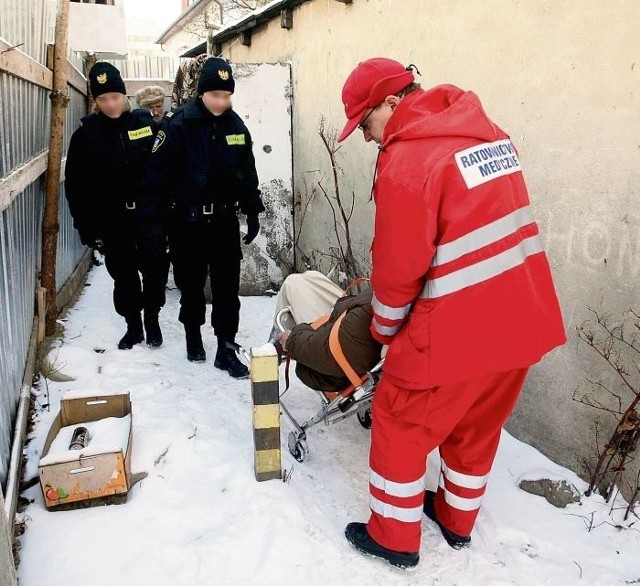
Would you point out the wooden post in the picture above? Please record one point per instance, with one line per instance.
(50, 227)
(266, 412)
(41, 305)
(89, 61)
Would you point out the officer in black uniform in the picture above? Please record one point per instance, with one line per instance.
(105, 163)
(202, 167)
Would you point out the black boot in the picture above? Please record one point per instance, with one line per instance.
(152, 329)
(133, 334)
(358, 536)
(453, 539)
(195, 349)
(226, 359)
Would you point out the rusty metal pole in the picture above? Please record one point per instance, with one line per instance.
(50, 227)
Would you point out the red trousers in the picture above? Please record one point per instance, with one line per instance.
(464, 420)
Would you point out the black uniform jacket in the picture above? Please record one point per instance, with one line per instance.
(200, 160)
(316, 367)
(105, 164)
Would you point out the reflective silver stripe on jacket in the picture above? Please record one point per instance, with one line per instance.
(389, 312)
(483, 270)
(483, 236)
(385, 330)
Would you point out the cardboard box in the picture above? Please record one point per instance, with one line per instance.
(95, 472)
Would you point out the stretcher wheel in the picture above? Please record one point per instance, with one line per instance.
(365, 419)
(298, 447)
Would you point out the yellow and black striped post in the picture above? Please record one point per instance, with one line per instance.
(266, 412)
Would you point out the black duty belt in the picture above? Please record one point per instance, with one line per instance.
(208, 211)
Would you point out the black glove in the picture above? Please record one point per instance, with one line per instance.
(253, 227)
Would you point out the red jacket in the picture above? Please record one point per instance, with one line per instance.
(462, 286)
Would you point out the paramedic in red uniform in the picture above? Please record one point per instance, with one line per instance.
(462, 294)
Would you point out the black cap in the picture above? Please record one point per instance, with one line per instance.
(216, 74)
(105, 78)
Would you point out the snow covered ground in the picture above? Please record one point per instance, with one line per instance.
(201, 519)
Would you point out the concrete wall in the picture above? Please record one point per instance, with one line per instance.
(561, 78)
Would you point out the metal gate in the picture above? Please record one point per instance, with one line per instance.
(263, 100)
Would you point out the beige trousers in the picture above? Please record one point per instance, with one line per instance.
(310, 295)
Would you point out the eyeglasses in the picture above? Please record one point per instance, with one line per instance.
(362, 126)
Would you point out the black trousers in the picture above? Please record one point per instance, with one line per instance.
(209, 246)
(126, 258)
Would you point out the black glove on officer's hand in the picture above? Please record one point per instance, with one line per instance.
(253, 227)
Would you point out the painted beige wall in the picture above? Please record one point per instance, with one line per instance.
(561, 78)
(192, 32)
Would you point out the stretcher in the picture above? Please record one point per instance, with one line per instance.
(335, 406)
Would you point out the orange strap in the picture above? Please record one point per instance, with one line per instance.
(354, 284)
(338, 354)
(320, 322)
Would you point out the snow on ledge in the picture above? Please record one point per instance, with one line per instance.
(541, 474)
(267, 350)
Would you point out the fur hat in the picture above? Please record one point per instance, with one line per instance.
(216, 74)
(104, 78)
(149, 95)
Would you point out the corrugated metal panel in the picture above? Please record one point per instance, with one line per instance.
(24, 121)
(19, 254)
(30, 24)
(25, 112)
(148, 67)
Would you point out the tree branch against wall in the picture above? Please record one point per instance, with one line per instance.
(618, 344)
(345, 266)
(246, 5)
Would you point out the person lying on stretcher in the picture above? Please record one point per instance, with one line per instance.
(311, 296)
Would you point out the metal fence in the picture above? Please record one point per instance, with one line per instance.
(27, 25)
(148, 67)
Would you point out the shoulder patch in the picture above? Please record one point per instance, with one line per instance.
(169, 114)
(160, 138)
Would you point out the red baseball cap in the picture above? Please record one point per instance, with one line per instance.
(368, 85)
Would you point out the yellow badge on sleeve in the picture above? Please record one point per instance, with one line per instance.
(235, 139)
(160, 138)
(140, 133)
